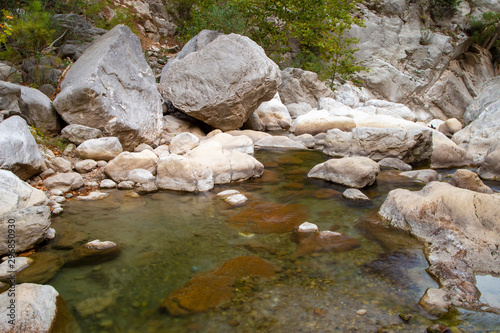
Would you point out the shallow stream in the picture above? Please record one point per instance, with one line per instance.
(169, 237)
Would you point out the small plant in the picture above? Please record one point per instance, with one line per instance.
(53, 143)
(484, 30)
(5, 26)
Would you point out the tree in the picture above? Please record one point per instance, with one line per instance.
(310, 34)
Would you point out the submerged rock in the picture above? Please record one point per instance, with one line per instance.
(357, 172)
(269, 217)
(461, 231)
(425, 176)
(44, 266)
(326, 241)
(93, 253)
(216, 287)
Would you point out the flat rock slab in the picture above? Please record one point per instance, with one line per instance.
(216, 287)
(461, 230)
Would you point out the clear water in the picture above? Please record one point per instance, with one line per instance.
(169, 237)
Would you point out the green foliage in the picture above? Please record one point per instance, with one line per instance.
(443, 8)
(310, 34)
(51, 142)
(122, 15)
(31, 32)
(5, 27)
(484, 29)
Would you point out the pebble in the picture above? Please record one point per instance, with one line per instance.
(361, 312)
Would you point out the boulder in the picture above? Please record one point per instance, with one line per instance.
(173, 126)
(64, 181)
(227, 166)
(357, 172)
(93, 252)
(395, 163)
(305, 139)
(272, 115)
(410, 146)
(108, 183)
(19, 153)
(298, 109)
(31, 225)
(355, 194)
(39, 308)
(141, 176)
(382, 107)
(320, 121)
(37, 108)
(304, 230)
(490, 168)
(181, 173)
(10, 95)
(450, 127)
(241, 143)
(10, 74)
(460, 229)
(216, 287)
(482, 120)
(469, 180)
(278, 142)
(254, 135)
(59, 164)
(85, 165)
(183, 143)
(221, 83)
(43, 267)
(16, 194)
(111, 87)
(300, 86)
(446, 154)
(79, 133)
(92, 196)
(425, 176)
(334, 107)
(119, 167)
(99, 149)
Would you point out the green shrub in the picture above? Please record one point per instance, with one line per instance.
(443, 8)
(484, 29)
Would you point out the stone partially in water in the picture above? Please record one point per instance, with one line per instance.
(44, 267)
(269, 217)
(216, 287)
(93, 253)
(303, 231)
(326, 241)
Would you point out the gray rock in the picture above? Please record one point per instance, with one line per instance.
(173, 125)
(6, 269)
(16, 194)
(181, 173)
(112, 88)
(273, 115)
(183, 143)
(19, 153)
(31, 226)
(144, 188)
(227, 166)
(397, 110)
(92, 196)
(377, 143)
(469, 180)
(37, 108)
(85, 166)
(125, 185)
(59, 164)
(450, 127)
(79, 133)
(10, 74)
(119, 168)
(320, 121)
(394, 163)
(425, 176)
(227, 78)
(490, 168)
(356, 172)
(93, 252)
(298, 109)
(446, 154)
(47, 173)
(10, 94)
(163, 150)
(39, 308)
(460, 229)
(108, 183)
(355, 194)
(64, 181)
(301, 86)
(241, 143)
(305, 139)
(141, 176)
(254, 135)
(141, 147)
(278, 142)
(99, 149)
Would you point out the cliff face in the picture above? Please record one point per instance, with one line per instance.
(426, 62)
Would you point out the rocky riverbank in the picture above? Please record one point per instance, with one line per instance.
(199, 128)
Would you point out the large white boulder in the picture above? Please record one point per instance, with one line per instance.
(19, 152)
(320, 121)
(118, 168)
(104, 149)
(221, 81)
(181, 173)
(112, 88)
(17, 194)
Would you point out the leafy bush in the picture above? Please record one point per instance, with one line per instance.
(484, 30)
(443, 8)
